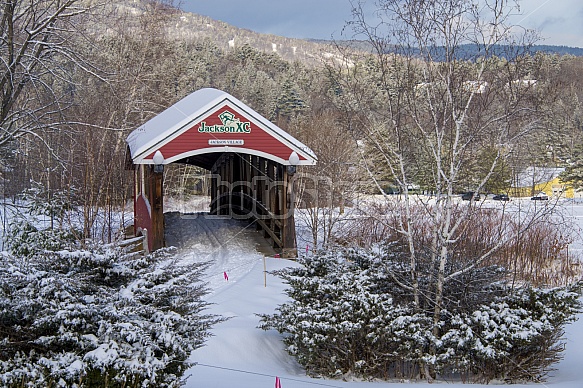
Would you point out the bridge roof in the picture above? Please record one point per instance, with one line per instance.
(210, 122)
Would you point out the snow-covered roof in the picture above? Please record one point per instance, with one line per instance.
(537, 175)
(181, 117)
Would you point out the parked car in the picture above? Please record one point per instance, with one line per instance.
(540, 197)
(501, 197)
(471, 195)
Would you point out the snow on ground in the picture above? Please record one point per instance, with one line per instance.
(228, 245)
(240, 355)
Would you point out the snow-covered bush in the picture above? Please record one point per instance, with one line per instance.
(516, 337)
(39, 226)
(350, 313)
(98, 317)
(338, 322)
(26, 239)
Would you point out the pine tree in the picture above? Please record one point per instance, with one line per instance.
(89, 314)
(573, 174)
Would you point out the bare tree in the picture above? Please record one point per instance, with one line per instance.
(37, 63)
(447, 80)
(328, 191)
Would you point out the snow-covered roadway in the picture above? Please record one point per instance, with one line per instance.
(230, 246)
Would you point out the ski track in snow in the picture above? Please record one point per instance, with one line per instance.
(224, 243)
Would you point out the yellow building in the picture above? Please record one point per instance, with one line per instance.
(534, 180)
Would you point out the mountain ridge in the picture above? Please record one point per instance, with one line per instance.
(189, 26)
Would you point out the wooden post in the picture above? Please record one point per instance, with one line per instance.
(261, 181)
(214, 188)
(264, 272)
(288, 233)
(223, 191)
(271, 194)
(156, 234)
(259, 188)
(231, 179)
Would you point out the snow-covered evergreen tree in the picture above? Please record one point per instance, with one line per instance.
(98, 316)
(350, 314)
(573, 174)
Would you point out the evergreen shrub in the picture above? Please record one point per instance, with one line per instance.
(351, 313)
(98, 316)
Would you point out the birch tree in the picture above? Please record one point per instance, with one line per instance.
(446, 83)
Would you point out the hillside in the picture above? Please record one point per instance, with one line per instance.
(187, 27)
(192, 26)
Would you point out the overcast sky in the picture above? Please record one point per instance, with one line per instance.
(559, 21)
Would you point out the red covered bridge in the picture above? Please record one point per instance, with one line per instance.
(251, 161)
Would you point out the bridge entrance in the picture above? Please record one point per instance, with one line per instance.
(251, 161)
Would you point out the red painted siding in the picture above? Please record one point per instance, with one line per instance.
(142, 218)
(256, 139)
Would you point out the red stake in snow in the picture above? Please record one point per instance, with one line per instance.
(226, 276)
(277, 382)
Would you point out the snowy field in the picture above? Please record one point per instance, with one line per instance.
(240, 355)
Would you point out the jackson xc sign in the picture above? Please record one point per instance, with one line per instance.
(250, 159)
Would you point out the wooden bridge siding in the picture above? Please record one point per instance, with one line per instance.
(148, 206)
(260, 184)
(247, 183)
(214, 188)
(271, 196)
(288, 231)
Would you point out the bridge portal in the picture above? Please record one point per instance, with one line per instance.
(251, 163)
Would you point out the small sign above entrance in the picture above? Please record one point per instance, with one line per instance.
(226, 142)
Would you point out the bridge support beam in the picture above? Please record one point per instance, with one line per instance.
(258, 189)
(289, 245)
(149, 205)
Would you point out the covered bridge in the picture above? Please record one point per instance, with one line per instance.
(251, 163)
